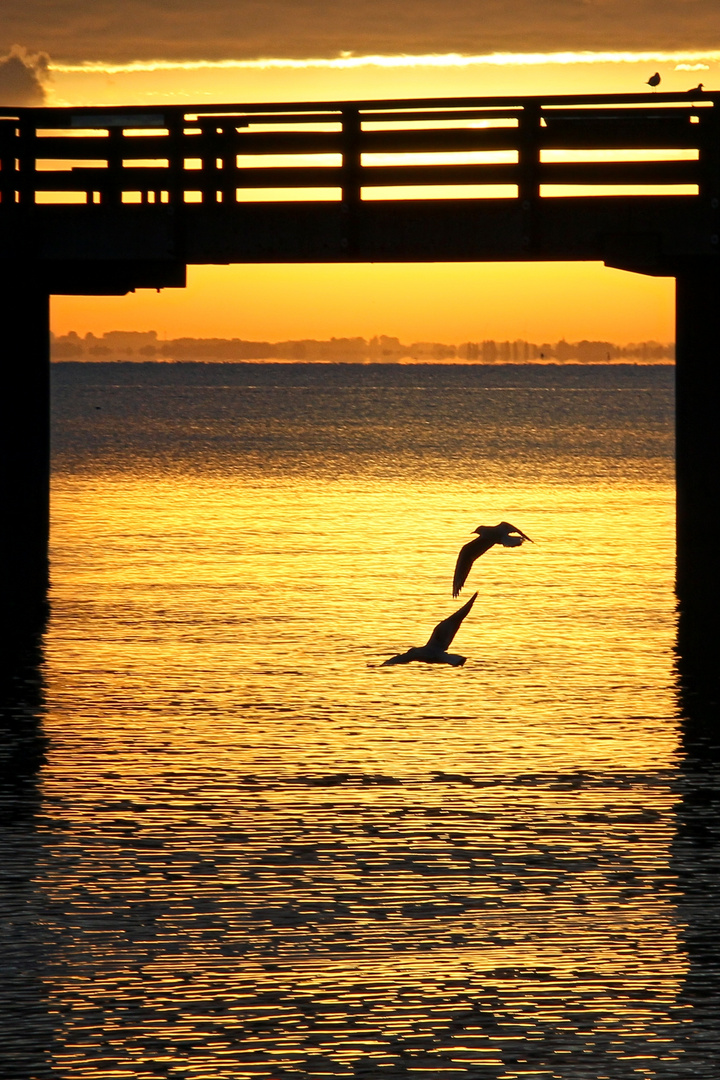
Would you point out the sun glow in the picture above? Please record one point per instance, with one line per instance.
(349, 62)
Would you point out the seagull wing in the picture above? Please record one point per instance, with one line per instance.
(466, 557)
(508, 528)
(445, 631)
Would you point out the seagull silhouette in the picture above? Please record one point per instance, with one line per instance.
(697, 89)
(654, 80)
(435, 652)
(488, 535)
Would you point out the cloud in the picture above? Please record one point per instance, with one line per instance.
(74, 31)
(22, 77)
(351, 61)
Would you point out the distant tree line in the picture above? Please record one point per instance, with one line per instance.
(145, 345)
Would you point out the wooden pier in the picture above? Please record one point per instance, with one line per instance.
(104, 201)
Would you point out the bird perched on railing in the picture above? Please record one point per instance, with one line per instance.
(435, 651)
(487, 535)
(697, 89)
(654, 80)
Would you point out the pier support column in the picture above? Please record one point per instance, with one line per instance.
(24, 447)
(698, 459)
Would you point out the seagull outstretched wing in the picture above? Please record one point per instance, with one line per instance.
(446, 630)
(466, 557)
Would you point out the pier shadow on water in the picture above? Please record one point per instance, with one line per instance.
(695, 852)
(26, 1022)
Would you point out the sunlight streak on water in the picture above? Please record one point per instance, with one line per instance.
(262, 855)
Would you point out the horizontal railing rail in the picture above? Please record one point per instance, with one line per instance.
(521, 148)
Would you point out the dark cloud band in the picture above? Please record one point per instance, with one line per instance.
(23, 77)
(123, 30)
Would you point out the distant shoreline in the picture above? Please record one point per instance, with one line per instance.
(139, 346)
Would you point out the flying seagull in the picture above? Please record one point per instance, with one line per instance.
(654, 80)
(435, 652)
(487, 535)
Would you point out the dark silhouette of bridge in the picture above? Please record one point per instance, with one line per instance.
(104, 201)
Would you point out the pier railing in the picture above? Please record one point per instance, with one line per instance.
(508, 148)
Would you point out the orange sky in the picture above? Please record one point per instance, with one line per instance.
(444, 302)
(450, 303)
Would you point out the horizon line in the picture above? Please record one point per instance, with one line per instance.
(358, 337)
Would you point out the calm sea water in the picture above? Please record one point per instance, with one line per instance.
(234, 846)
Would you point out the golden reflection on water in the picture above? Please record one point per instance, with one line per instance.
(277, 859)
(266, 856)
(288, 591)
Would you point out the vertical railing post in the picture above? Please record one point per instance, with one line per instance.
(529, 137)
(351, 176)
(218, 165)
(8, 158)
(116, 137)
(175, 123)
(27, 162)
(709, 162)
(176, 158)
(351, 156)
(227, 153)
(24, 445)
